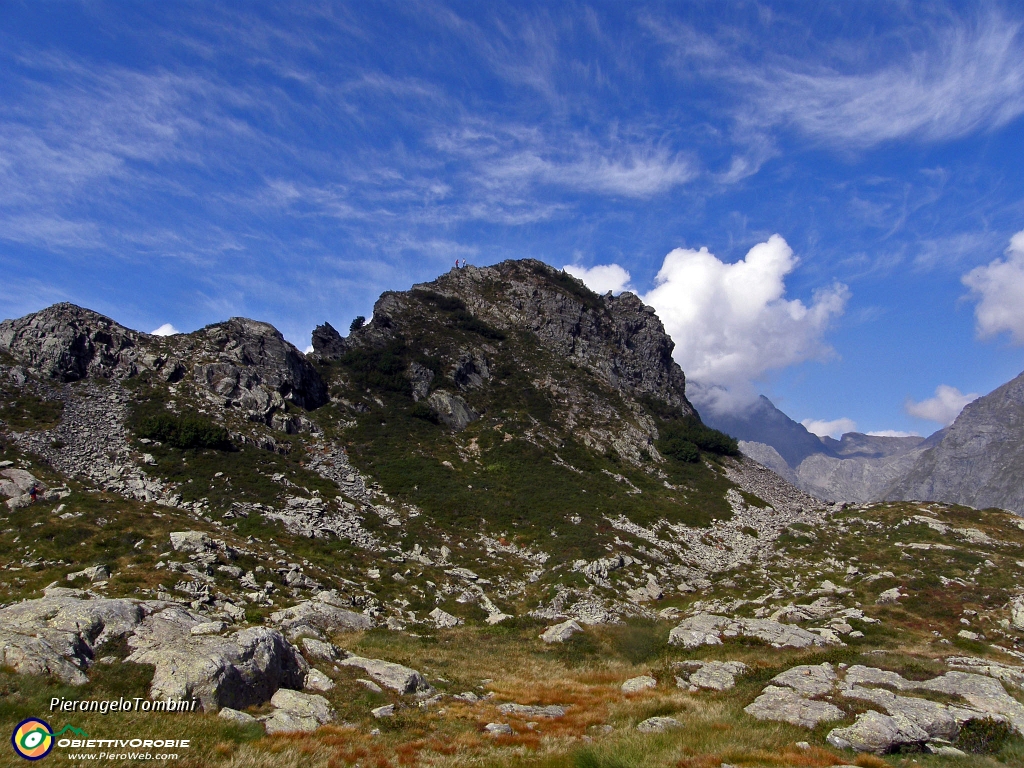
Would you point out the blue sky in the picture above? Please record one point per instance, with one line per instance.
(185, 162)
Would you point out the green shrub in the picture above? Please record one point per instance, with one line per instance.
(379, 369)
(680, 438)
(460, 315)
(984, 736)
(185, 431)
(421, 411)
(680, 449)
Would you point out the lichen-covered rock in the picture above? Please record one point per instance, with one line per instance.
(295, 711)
(318, 681)
(318, 650)
(324, 612)
(788, 706)
(709, 629)
(235, 716)
(191, 542)
(808, 679)
(29, 654)
(443, 619)
(878, 733)
(658, 725)
(236, 671)
(394, 676)
(698, 630)
(638, 684)
(889, 596)
(712, 675)
(559, 633)
(530, 711)
(935, 719)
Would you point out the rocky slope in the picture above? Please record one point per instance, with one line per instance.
(489, 514)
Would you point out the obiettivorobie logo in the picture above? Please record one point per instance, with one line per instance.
(34, 738)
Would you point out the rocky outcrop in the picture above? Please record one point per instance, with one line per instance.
(451, 410)
(58, 634)
(326, 614)
(875, 732)
(255, 369)
(237, 671)
(67, 343)
(709, 629)
(327, 342)
(909, 721)
(788, 706)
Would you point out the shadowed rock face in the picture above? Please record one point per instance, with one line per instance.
(255, 363)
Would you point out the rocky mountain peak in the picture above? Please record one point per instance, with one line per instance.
(69, 343)
(617, 338)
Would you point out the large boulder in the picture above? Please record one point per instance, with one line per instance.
(237, 671)
(559, 633)
(394, 676)
(788, 706)
(294, 711)
(878, 733)
(95, 620)
(324, 613)
(60, 655)
(58, 634)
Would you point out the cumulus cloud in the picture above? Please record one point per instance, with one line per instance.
(601, 278)
(892, 433)
(165, 330)
(835, 428)
(999, 290)
(732, 323)
(944, 407)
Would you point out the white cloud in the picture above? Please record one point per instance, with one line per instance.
(892, 433)
(601, 278)
(944, 407)
(731, 323)
(999, 291)
(166, 330)
(835, 428)
(309, 349)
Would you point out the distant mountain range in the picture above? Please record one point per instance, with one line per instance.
(978, 460)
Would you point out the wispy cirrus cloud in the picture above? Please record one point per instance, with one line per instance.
(945, 79)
